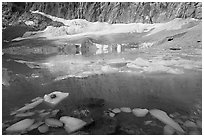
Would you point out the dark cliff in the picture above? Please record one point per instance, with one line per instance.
(112, 12)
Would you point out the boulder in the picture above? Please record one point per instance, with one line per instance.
(138, 112)
(163, 117)
(20, 126)
(72, 124)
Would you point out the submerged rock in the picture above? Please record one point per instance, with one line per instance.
(28, 106)
(53, 122)
(125, 109)
(27, 114)
(168, 130)
(116, 110)
(36, 99)
(194, 132)
(35, 125)
(147, 122)
(199, 123)
(55, 97)
(189, 124)
(72, 124)
(43, 129)
(138, 112)
(162, 116)
(20, 126)
(111, 114)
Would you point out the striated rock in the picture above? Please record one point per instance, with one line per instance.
(162, 116)
(43, 129)
(116, 110)
(72, 124)
(55, 97)
(20, 126)
(125, 109)
(138, 112)
(168, 130)
(53, 122)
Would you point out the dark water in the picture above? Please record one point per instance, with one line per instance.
(169, 92)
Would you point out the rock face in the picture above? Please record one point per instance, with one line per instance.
(112, 12)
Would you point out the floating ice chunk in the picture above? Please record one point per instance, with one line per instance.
(20, 126)
(168, 130)
(162, 116)
(72, 124)
(125, 109)
(53, 122)
(138, 112)
(55, 97)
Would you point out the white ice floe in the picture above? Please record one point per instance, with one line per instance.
(55, 97)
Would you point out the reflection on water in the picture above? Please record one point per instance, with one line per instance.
(26, 78)
(86, 48)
